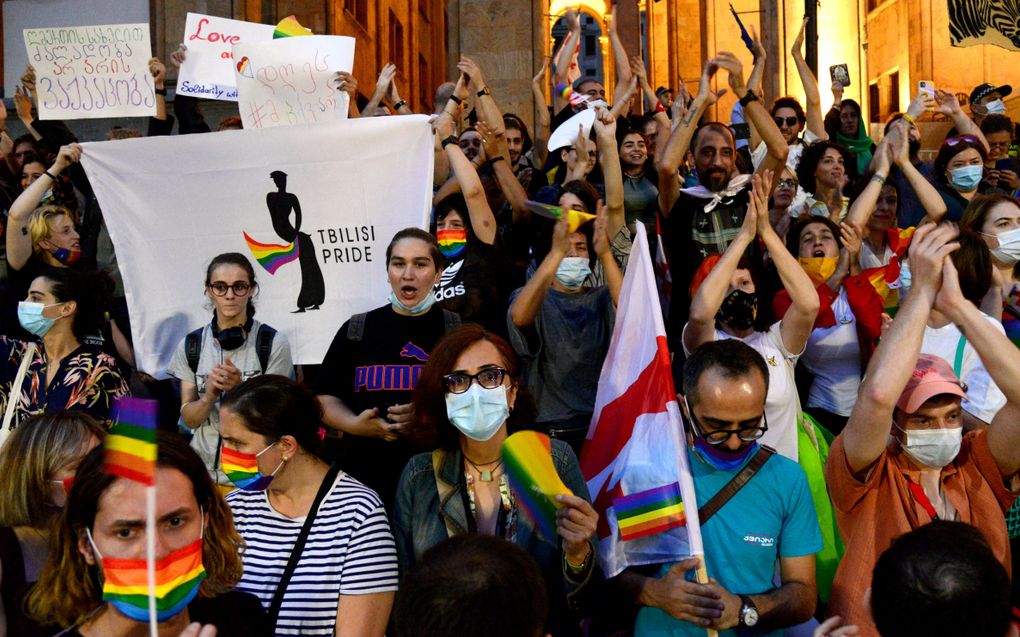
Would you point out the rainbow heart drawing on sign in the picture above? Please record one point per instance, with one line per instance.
(244, 68)
(527, 456)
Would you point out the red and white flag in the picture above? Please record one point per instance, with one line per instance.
(635, 457)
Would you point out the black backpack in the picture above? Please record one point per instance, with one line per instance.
(263, 345)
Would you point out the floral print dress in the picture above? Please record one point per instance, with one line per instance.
(87, 380)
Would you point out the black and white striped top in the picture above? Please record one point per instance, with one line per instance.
(350, 551)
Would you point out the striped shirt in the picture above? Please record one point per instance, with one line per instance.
(350, 551)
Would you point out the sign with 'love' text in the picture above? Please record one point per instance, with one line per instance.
(313, 209)
(88, 72)
(208, 69)
(291, 80)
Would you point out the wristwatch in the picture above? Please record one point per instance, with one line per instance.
(748, 612)
(748, 97)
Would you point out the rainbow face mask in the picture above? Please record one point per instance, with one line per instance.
(452, 242)
(126, 582)
(243, 469)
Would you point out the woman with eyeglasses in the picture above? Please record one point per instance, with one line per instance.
(725, 306)
(782, 200)
(467, 402)
(219, 356)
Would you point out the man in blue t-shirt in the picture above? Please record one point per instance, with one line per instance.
(770, 519)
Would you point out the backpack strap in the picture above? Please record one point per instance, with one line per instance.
(356, 327)
(736, 484)
(193, 348)
(451, 320)
(264, 344)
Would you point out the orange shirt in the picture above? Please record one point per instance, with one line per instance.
(874, 512)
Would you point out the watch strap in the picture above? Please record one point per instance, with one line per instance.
(482, 92)
(746, 604)
(748, 97)
(452, 139)
(400, 103)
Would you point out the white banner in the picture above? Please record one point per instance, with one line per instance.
(87, 72)
(208, 69)
(317, 205)
(290, 80)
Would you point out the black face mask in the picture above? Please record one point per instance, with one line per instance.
(738, 310)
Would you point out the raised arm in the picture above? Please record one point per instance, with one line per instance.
(756, 114)
(542, 120)
(899, 150)
(813, 97)
(529, 300)
(621, 61)
(483, 222)
(637, 68)
(864, 205)
(708, 299)
(893, 362)
(564, 57)
(19, 243)
(495, 147)
(669, 156)
(393, 98)
(382, 84)
(23, 104)
(347, 83)
(623, 98)
(798, 321)
(612, 173)
(158, 71)
(485, 104)
(949, 106)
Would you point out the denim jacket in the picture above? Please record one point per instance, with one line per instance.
(420, 522)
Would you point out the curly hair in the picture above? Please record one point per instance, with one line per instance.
(813, 154)
(68, 588)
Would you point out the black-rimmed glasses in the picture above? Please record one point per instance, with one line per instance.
(488, 378)
(718, 437)
(220, 289)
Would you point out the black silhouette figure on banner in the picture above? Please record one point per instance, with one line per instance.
(281, 203)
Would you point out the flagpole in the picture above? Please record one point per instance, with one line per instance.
(150, 555)
(702, 573)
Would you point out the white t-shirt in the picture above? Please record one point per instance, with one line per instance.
(984, 398)
(872, 259)
(833, 355)
(782, 402)
(206, 437)
(349, 551)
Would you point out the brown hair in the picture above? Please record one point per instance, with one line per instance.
(431, 422)
(33, 454)
(68, 588)
(977, 211)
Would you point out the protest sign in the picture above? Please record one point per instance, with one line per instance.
(312, 208)
(208, 69)
(96, 71)
(290, 80)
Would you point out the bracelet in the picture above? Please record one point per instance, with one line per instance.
(400, 104)
(50, 175)
(161, 91)
(495, 159)
(910, 119)
(452, 139)
(482, 92)
(748, 98)
(456, 100)
(879, 178)
(582, 567)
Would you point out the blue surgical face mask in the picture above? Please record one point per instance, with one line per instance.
(421, 308)
(478, 413)
(572, 272)
(966, 178)
(995, 107)
(30, 315)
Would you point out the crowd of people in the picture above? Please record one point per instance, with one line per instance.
(843, 316)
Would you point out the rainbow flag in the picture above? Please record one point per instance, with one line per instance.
(527, 456)
(647, 512)
(178, 576)
(289, 27)
(272, 256)
(882, 279)
(242, 469)
(131, 443)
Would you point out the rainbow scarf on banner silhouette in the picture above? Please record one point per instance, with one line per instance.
(131, 444)
(178, 575)
(647, 512)
(271, 256)
(527, 456)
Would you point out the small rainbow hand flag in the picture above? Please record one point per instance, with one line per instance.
(272, 256)
(289, 27)
(528, 459)
(242, 469)
(647, 512)
(575, 218)
(131, 443)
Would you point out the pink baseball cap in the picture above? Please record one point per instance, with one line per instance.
(932, 376)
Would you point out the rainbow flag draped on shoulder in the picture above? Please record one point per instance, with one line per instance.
(635, 457)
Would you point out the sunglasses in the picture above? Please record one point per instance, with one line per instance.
(789, 121)
(970, 139)
(787, 183)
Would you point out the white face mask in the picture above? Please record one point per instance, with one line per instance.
(572, 272)
(478, 413)
(933, 447)
(996, 107)
(1009, 246)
